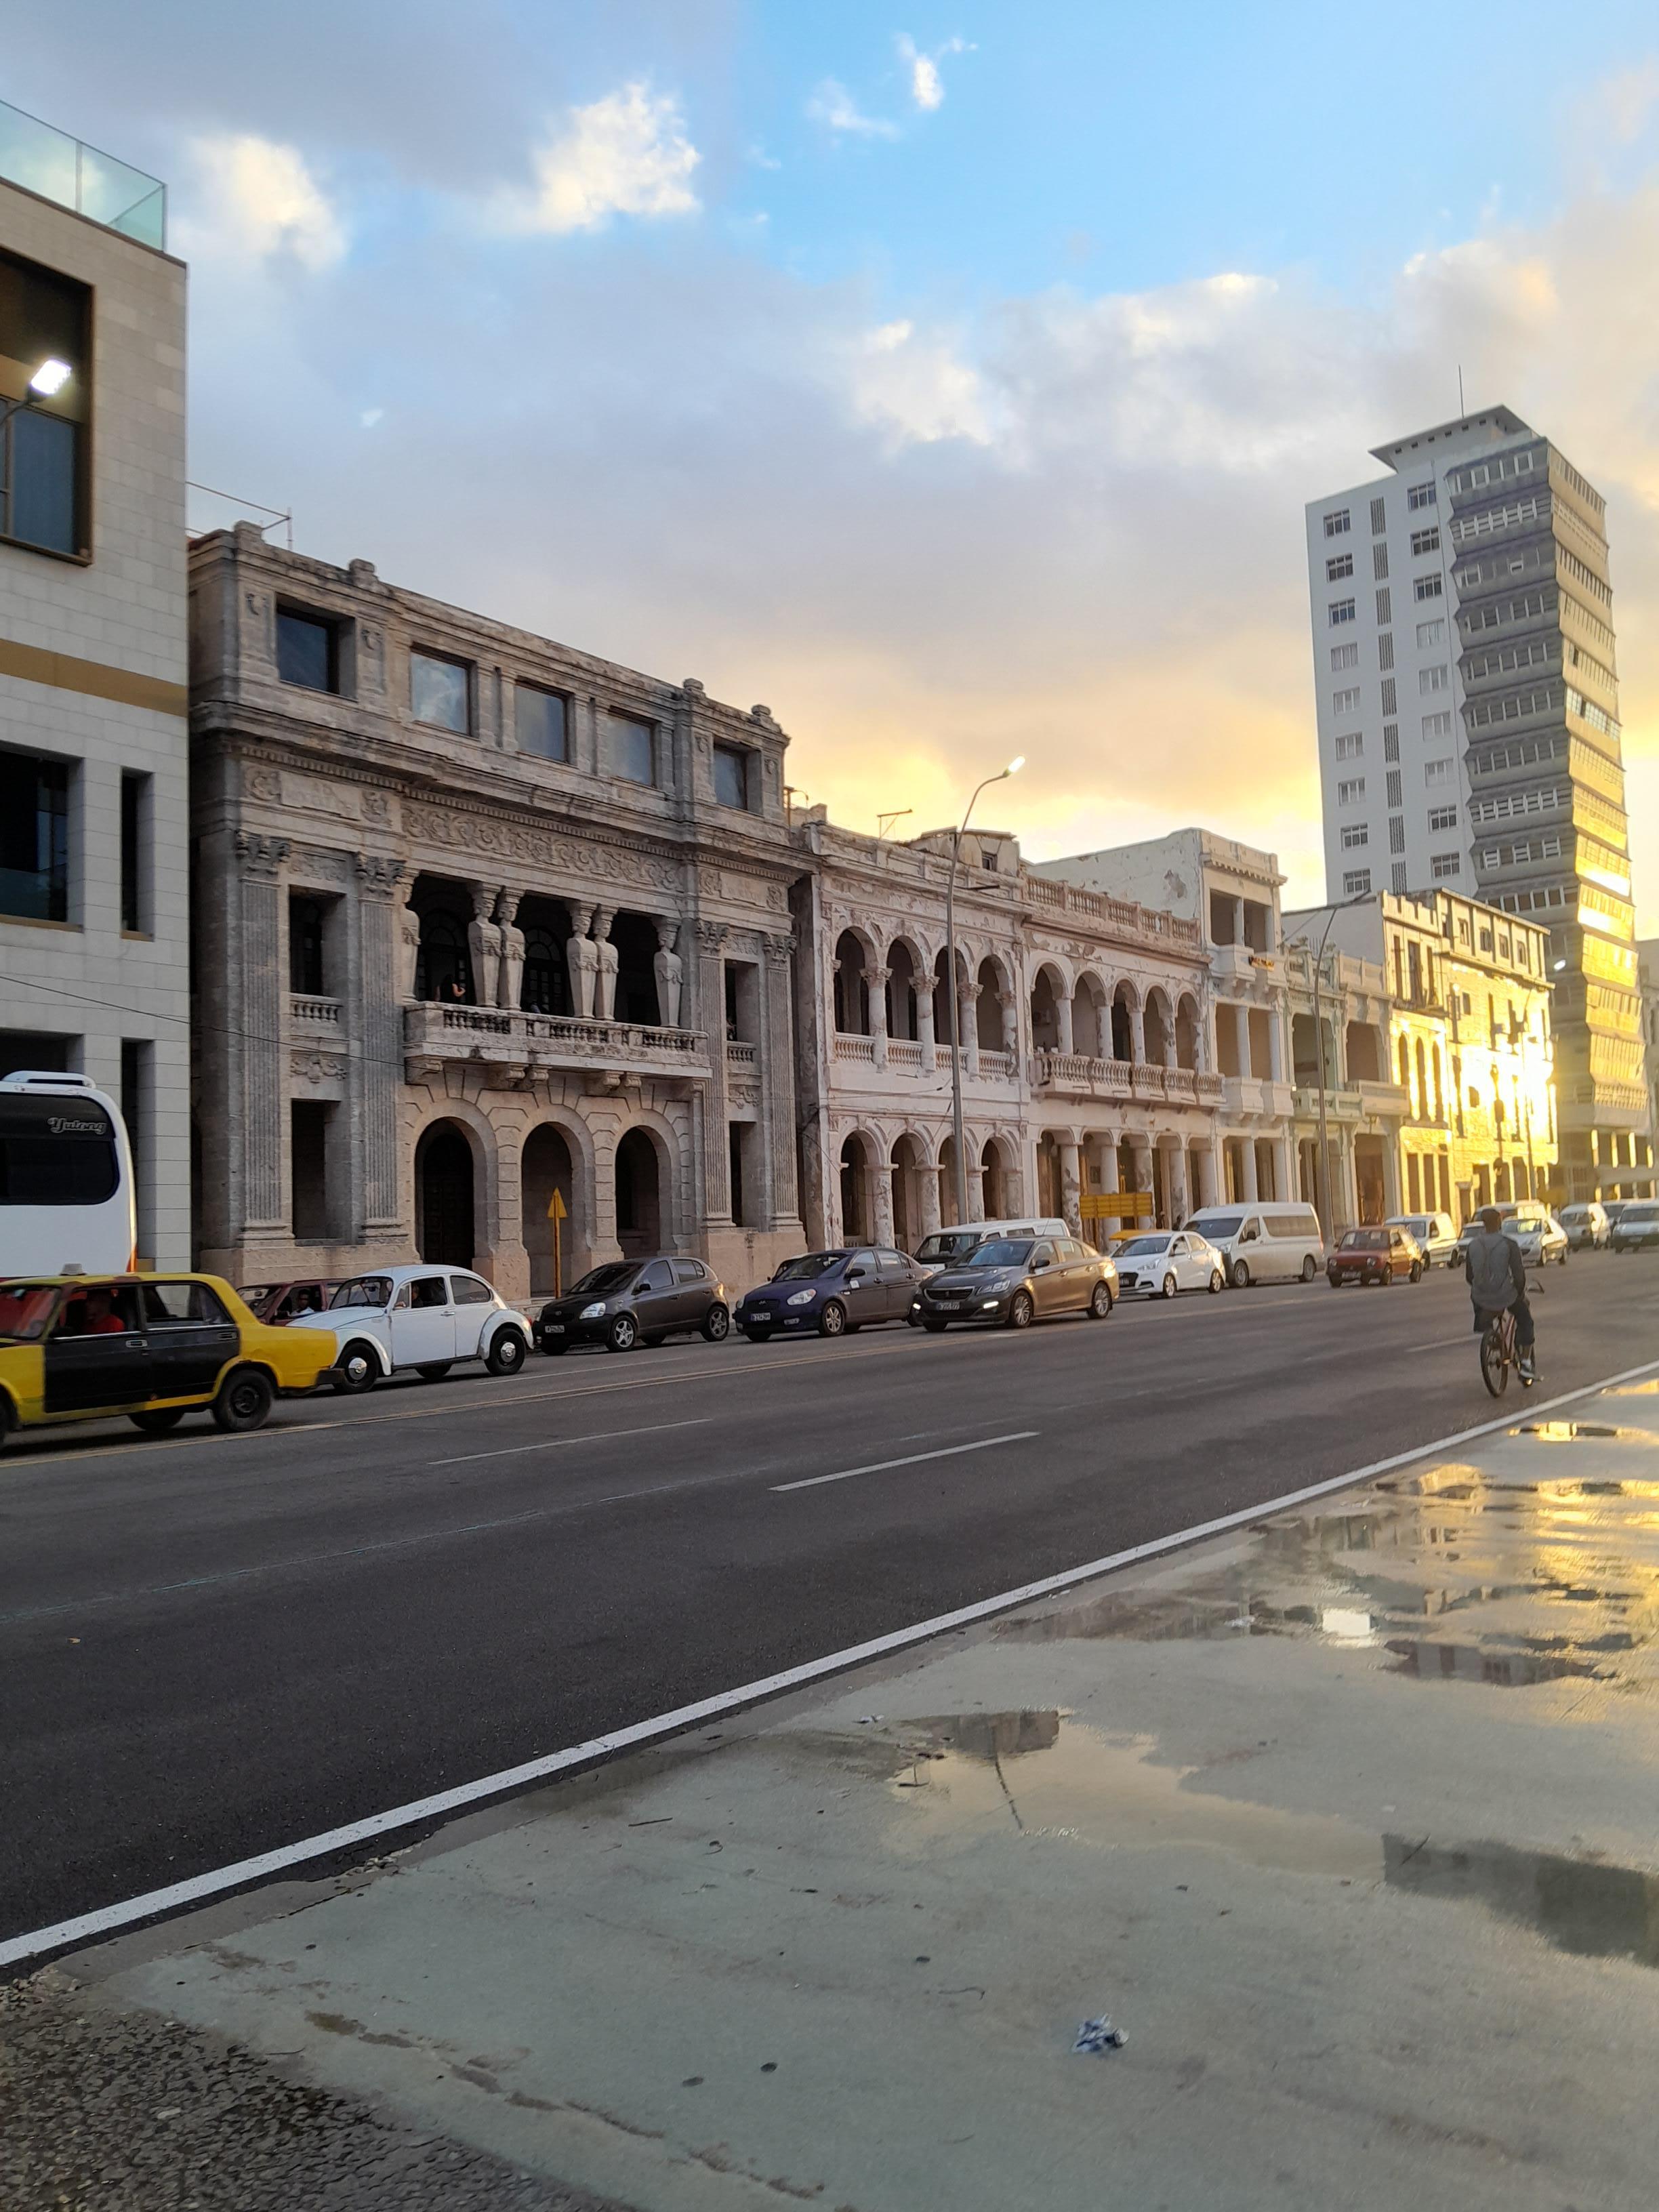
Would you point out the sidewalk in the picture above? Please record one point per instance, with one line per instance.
(1351, 1821)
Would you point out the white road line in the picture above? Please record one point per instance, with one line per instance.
(1440, 1343)
(564, 1444)
(911, 1459)
(85, 1926)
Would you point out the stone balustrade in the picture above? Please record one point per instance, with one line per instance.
(738, 1054)
(523, 1043)
(1146, 925)
(306, 1012)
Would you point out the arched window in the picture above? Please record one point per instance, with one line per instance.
(852, 992)
(443, 971)
(1422, 1082)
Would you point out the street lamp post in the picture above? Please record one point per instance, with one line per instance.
(1322, 1179)
(959, 1165)
(47, 382)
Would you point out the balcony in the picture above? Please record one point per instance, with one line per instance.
(1078, 1076)
(78, 177)
(306, 1012)
(744, 1056)
(1240, 963)
(1255, 1096)
(516, 1048)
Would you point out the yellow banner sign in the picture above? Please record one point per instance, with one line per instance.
(1120, 1205)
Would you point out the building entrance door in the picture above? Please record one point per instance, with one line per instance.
(444, 1173)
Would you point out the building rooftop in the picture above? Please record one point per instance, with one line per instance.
(81, 178)
(1472, 430)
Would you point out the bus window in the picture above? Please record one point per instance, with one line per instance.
(56, 1152)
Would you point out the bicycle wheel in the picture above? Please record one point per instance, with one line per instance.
(1494, 1361)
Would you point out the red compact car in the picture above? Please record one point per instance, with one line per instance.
(1375, 1255)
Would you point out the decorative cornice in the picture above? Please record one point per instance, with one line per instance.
(261, 857)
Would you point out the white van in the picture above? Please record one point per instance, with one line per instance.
(1263, 1241)
(946, 1246)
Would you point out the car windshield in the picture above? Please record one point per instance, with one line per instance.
(364, 1291)
(1218, 1224)
(600, 1282)
(1417, 1226)
(808, 1264)
(1143, 1248)
(1365, 1240)
(999, 1252)
(25, 1309)
(1640, 1214)
(949, 1244)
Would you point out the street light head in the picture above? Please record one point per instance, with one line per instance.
(1015, 765)
(1559, 967)
(49, 380)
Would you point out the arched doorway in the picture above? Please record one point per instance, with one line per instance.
(992, 1182)
(1050, 1188)
(908, 1171)
(546, 1169)
(443, 1185)
(857, 1212)
(639, 1197)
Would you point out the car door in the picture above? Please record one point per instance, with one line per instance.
(86, 1365)
(1048, 1282)
(191, 1339)
(694, 1293)
(422, 1322)
(1077, 1267)
(656, 1297)
(861, 1288)
(896, 1277)
(475, 1303)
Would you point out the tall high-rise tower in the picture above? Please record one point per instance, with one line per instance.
(1468, 730)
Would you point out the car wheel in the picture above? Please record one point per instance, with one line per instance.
(1167, 1288)
(1241, 1275)
(244, 1401)
(156, 1421)
(832, 1322)
(1100, 1301)
(1417, 1271)
(758, 1335)
(506, 1353)
(1309, 1270)
(434, 1370)
(1217, 1284)
(934, 1325)
(358, 1369)
(623, 1332)
(1561, 1256)
(1021, 1311)
(716, 1324)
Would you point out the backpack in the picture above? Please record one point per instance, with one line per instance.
(1491, 1283)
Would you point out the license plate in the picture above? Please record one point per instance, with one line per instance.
(552, 1328)
(950, 1305)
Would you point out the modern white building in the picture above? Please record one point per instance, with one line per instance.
(1468, 734)
(94, 754)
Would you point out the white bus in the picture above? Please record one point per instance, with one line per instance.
(65, 1177)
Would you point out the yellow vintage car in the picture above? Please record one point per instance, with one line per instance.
(153, 1347)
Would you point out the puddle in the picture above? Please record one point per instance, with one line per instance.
(1467, 1663)
(1584, 1906)
(1573, 1432)
(1044, 1774)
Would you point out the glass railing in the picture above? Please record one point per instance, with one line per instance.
(62, 168)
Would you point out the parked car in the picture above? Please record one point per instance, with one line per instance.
(1262, 1242)
(1011, 1281)
(1637, 1229)
(1163, 1261)
(834, 1293)
(423, 1317)
(1614, 1208)
(1385, 1256)
(152, 1346)
(1587, 1226)
(276, 1302)
(947, 1246)
(1537, 1231)
(1436, 1240)
(630, 1302)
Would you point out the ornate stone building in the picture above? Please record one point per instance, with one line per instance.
(478, 920)
(1086, 1040)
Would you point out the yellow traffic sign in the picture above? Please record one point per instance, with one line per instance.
(556, 1209)
(1122, 1205)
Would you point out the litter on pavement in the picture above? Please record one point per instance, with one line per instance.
(1095, 2036)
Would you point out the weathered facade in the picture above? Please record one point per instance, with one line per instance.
(1086, 1040)
(480, 921)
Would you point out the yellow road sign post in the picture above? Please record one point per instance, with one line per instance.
(556, 1210)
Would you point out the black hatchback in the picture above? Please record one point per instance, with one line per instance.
(632, 1301)
(832, 1293)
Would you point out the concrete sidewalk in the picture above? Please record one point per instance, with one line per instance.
(1351, 1821)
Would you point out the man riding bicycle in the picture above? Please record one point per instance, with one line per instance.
(1498, 1279)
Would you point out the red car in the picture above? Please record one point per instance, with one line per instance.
(1375, 1255)
(276, 1302)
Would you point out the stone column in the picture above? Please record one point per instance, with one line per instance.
(1248, 1148)
(669, 970)
(924, 1029)
(927, 1186)
(974, 1173)
(1238, 921)
(1181, 1200)
(968, 1022)
(1275, 1041)
(711, 1020)
(1063, 1024)
(583, 956)
(1008, 1001)
(483, 944)
(881, 1179)
(875, 980)
(777, 1060)
(1071, 1184)
(1137, 1034)
(604, 973)
(1109, 1181)
(264, 1054)
(378, 1064)
(511, 972)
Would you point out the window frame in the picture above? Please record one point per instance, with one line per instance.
(746, 758)
(436, 659)
(525, 687)
(74, 409)
(330, 626)
(614, 716)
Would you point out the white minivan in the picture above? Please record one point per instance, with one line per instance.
(947, 1246)
(1263, 1241)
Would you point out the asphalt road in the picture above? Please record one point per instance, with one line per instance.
(212, 1646)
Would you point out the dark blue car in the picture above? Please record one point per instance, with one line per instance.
(831, 1293)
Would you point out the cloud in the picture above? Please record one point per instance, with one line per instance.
(1626, 102)
(833, 107)
(918, 390)
(927, 87)
(627, 154)
(253, 198)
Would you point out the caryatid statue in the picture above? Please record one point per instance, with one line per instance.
(584, 957)
(605, 981)
(408, 950)
(670, 972)
(483, 943)
(506, 907)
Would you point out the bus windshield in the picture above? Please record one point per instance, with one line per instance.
(55, 1150)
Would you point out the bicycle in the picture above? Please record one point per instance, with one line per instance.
(1499, 1355)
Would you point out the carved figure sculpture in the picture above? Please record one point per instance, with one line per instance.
(584, 957)
(604, 980)
(670, 972)
(409, 951)
(483, 943)
(506, 907)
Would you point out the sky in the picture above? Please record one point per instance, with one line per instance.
(950, 378)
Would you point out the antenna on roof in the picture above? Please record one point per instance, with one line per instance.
(884, 822)
(1459, 387)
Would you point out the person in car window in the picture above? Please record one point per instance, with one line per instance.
(1497, 1279)
(95, 1314)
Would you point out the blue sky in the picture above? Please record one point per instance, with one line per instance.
(952, 380)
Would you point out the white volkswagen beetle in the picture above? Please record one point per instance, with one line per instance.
(424, 1317)
(1163, 1261)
